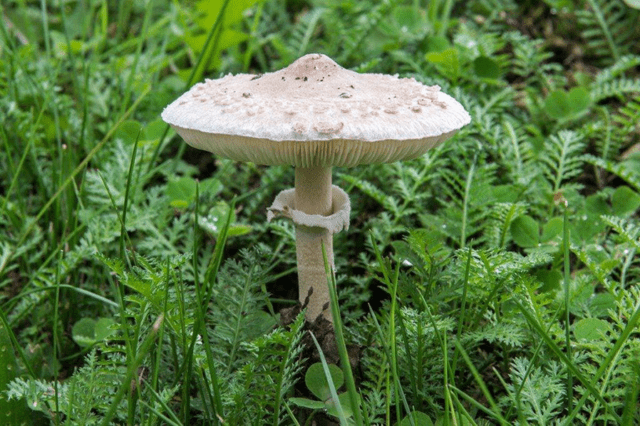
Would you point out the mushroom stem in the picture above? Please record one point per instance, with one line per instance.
(313, 196)
(313, 190)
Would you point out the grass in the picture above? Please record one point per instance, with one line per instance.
(491, 281)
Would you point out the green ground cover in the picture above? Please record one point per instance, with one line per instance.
(492, 281)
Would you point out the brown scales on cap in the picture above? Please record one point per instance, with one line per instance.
(315, 114)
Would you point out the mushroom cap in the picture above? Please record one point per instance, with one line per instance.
(315, 113)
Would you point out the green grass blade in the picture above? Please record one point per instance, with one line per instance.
(622, 340)
(495, 410)
(132, 370)
(567, 302)
(341, 343)
(196, 71)
(127, 192)
(566, 361)
(13, 412)
(332, 387)
(77, 170)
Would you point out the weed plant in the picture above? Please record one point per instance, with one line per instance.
(493, 280)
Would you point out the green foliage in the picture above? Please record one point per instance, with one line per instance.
(562, 160)
(318, 384)
(214, 31)
(465, 297)
(561, 105)
(239, 314)
(416, 418)
(525, 231)
(538, 392)
(85, 398)
(14, 412)
(468, 184)
(88, 332)
(261, 386)
(607, 27)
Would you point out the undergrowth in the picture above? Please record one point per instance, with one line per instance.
(491, 281)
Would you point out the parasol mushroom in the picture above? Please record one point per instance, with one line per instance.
(314, 115)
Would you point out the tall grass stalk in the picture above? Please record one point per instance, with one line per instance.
(588, 384)
(132, 370)
(567, 301)
(56, 338)
(350, 382)
(196, 72)
(74, 173)
(332, 386)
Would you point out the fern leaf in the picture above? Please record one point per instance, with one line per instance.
(539, 392)
(389, 202)
(562, 160)
(629, 232)
(268, 377)
(517, 153)
(629, 116)
(468, 188)
(619, 169)
(504, 333)
(304, 31)
(601, 270)
(529, 55)
(497, 229)
(607, 27)
(623, 64)
(614, 88)
(599, 10)
(367, 24)
(604, 134)
(238, 313)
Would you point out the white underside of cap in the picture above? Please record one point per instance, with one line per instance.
(335, 152)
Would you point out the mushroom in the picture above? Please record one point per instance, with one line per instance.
(313, 115)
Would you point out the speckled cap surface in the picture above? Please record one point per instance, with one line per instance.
(315, 113)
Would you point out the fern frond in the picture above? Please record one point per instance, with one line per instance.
(518, 155)
(239, 306)
(607, 27)
(538, 391)
(621, 170)
(375, 367)
(304, 31)
(497, 227)
(628, 117)
(84, 398)
(421, 330)
(367, 23)
(490, 268)
(625, 63)
(530, 58)
(504, 333)
(467, 188)
(628, 231)
(614, 88)
(561, 159)
(389, 202)
(621, 369)
(601, 270)
(268, 377)
(604, 134)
